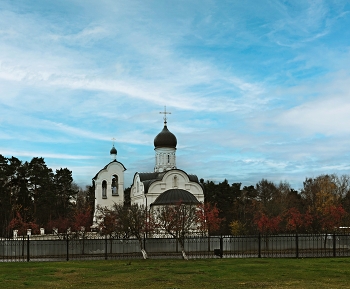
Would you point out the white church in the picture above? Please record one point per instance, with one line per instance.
(165, 185)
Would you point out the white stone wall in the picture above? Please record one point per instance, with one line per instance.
(137, 195)
(165, 159)
(167, 183)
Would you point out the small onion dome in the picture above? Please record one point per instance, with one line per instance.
(175, 196)
(113, 151)
(165, 139)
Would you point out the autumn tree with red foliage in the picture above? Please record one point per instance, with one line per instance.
(332, 217)
(208, 218)
(19, 224)
(113, 221)
(268, 225)
(82, 219)
(61, 224)
(75, 222)
(296, 221)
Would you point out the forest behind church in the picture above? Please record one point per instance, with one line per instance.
(34, 196)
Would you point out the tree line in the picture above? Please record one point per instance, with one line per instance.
(322, 205)
(32, 196)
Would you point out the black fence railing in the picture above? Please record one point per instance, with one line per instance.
(51, 248)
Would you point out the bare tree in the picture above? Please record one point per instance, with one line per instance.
(140, 223)
(123, 222)
(113, 221)
(178, 221)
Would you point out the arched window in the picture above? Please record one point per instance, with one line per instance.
(104, 190)
(115, 185)
(168, 159)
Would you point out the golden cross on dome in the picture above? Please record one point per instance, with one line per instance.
(165, 113)
(113, 139)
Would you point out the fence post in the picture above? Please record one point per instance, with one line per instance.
(83, 251)
(334, 246)
(208, 242)
(106, 247)
(23, 244)
(221, 246)
(259, 247)
(28, 257)
(67, 247)
(296, 245)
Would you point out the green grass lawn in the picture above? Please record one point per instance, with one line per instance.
(170, 274)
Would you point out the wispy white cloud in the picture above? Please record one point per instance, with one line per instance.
(23, 153)
(308, 21)
(215, 81)
(255, 90)
(325, 112)
(175, 73)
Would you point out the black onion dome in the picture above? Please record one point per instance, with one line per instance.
(165, 139)
(113, 151)
(175, 196)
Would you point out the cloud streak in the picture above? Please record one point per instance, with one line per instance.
(32, 154)
(255, 91)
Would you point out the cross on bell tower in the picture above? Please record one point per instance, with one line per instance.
(165, 113)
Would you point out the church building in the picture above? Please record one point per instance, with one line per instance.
(165, 185)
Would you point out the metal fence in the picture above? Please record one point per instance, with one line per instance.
(30, 248)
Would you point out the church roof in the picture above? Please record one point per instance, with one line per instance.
(148, 178)
(175, 196)
(165, 139)
(105, 167)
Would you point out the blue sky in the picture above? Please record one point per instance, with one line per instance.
(257, 89)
